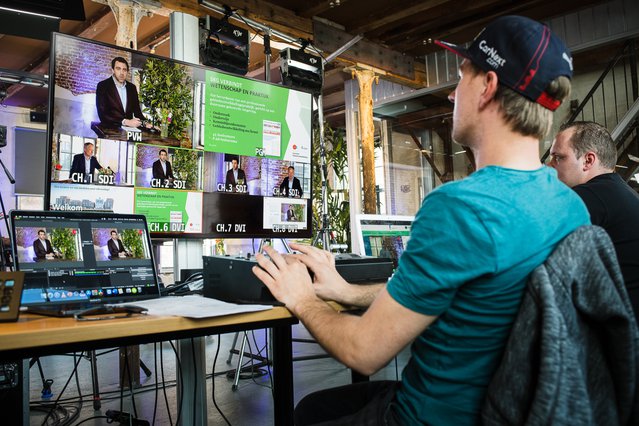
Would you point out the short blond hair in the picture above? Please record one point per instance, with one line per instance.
(523, 115)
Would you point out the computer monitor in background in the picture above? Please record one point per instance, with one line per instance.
(382, 235)
(76, 260)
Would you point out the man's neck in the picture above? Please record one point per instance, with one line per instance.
(594, 172)
(117, 83)
(498, 145)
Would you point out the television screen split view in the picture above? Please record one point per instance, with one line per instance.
(199, 152)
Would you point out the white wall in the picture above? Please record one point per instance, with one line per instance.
(13, 117)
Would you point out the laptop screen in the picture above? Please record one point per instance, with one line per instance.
(80, 258)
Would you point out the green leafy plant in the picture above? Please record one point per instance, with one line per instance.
(338, 204)
(185, 167)
(167, 89)
(132, 240)
(64, 240)
(298, 211)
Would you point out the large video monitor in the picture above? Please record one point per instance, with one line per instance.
(199, 152)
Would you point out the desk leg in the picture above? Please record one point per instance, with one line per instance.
(282, 376)
(193, 389)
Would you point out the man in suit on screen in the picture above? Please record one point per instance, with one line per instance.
(117, 99)
(162, 168)
(291, 186)
(84, 164)
(235, 176)
(116, 248)
(42, 247)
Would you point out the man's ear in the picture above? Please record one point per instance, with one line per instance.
(590, 159)
(490, 85)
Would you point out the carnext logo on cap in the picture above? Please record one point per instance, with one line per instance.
(494, 60)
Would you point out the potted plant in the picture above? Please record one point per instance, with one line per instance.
(63, 239)
(132, 240)
(166, 91)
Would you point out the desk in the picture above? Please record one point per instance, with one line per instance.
(35, 335)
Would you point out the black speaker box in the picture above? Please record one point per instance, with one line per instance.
(37, 117)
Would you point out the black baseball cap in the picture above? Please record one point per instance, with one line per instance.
(525, 55)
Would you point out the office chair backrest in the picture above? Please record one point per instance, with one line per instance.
(573, 353)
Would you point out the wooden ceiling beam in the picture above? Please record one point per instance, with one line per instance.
(185, 6)
(443, 17)
(385, 19)
(147, 44)
(95, 26)
(318, 8)
(269, 14)
(330, 39)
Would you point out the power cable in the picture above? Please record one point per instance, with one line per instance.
(217, 352)
(179, 363)
(55, 404)
(166, 400)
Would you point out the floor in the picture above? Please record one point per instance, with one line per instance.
(250, 404)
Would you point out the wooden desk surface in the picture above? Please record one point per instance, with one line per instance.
(37, 335)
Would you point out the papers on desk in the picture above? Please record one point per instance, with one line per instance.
(195, 307)
(130, 129)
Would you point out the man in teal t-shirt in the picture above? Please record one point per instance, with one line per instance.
(473, 245)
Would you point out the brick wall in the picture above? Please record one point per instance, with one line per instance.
(270, 172)
(80, 66)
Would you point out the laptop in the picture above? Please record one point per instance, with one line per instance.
(74, 261)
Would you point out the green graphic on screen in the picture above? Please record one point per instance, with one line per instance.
(170, 211)
(252, 118)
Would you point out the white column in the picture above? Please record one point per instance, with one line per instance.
(184, 37)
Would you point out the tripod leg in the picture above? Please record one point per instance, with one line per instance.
(238, 370)
(97, 404)
(228, 360)
(146, 369)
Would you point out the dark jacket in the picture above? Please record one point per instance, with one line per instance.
(230, 178)
(109, 104)
(40, 251)
(77, 166)
(572, 356)
(115, 248)
(158, 173)
(296, 185)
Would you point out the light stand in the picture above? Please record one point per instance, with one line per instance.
(324, 234)
(4, 212)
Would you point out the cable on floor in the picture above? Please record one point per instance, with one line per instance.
(55, 404)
